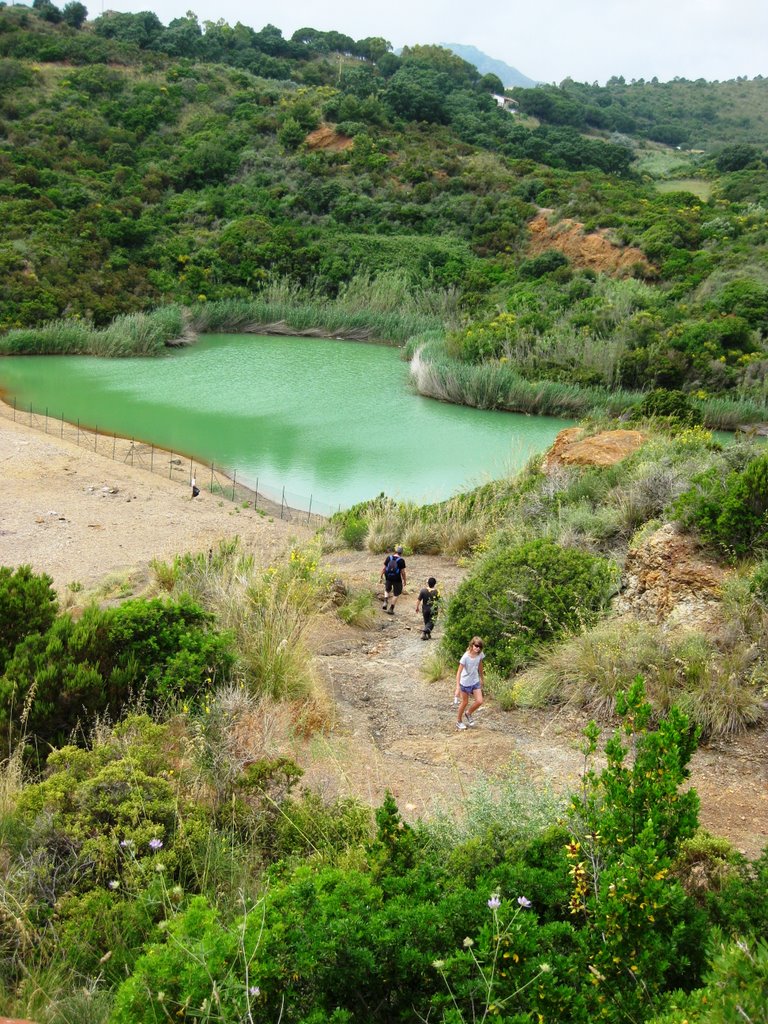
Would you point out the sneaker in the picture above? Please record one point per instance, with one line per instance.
(390, 611)
(384, 606)
(460, 726)
(469, 720)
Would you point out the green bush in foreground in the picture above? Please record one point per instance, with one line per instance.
(735, 990)
(492, 925)
(521, 596)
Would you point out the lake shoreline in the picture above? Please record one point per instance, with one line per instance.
(82, 518)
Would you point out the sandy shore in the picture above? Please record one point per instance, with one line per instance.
(84, 518)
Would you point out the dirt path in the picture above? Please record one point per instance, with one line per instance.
(395, 730)
(98, 524)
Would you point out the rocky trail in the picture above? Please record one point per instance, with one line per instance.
(393, 729)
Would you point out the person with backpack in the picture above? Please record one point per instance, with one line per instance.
(393, 574)
(428, 599)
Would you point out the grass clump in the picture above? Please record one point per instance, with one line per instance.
(502, 811)
(358, 609)
(267, 611)
(718, 681)
(133, 334)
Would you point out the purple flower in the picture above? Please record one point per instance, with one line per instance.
(254, 990)
(494, 902)
(125, 843)
(523, 902)
(155, 844)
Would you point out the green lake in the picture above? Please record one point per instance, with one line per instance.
(336, 421)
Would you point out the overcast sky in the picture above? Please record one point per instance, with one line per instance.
(588, 40)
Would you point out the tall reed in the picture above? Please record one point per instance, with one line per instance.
(384, 308)
(133, 334)
(499, 385)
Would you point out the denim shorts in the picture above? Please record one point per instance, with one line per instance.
(471, 688)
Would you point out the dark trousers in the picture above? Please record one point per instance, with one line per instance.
(429, 618)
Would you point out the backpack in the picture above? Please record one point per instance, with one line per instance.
(392, 567)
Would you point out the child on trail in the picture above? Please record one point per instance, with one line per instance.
(428, 599)
(393, 574)
(470, 680)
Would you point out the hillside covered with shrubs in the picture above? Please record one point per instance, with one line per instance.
(180, 169)
(160, 862)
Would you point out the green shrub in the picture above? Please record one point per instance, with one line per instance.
(519, 597)
(354, 533)
(758, 583)
(705, 863)
(546, 263)
(28, 605)
(641, 931)
(730, 513)
(735, 989)
(672, 405)
(741, 908)
(94, 665)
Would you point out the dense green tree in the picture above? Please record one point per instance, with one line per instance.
(737, 157)
(74, 13)
(491, 83)
(47, 10)
(417, 93)
(141, 29)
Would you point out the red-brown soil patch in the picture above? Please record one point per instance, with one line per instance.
(586, 250)
(326, 137)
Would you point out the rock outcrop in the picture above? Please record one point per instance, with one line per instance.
(571, 448)
(667, 579)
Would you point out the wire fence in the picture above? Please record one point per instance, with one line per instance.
(191, 472)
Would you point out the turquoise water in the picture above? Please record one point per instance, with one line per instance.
(333, 420)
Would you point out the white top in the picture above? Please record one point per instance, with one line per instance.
(470, 672)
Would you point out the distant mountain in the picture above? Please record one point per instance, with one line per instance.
(487, 65)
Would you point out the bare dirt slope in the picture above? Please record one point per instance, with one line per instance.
(83, 518)
(587, 250)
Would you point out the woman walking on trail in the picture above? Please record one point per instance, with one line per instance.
(470, 680)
